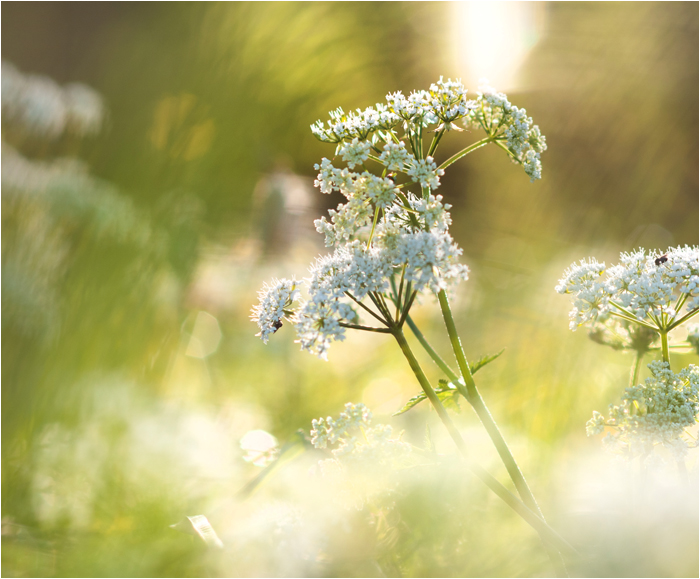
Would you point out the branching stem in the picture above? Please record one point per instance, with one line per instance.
(466, 151)
(470, 392)
(534, 520)
(365, 328)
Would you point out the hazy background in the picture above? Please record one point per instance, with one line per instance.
(130, 367)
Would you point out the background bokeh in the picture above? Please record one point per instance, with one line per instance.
(131, 257)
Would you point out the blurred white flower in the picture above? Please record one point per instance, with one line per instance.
(261, 447)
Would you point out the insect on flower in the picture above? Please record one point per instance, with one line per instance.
(661, 259)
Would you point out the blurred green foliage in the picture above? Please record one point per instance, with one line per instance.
(112, 429)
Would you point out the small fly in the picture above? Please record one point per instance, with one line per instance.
(661, 259)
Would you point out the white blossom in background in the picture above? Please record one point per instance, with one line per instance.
(39, 106)
(584, 281)
(652, 287)
(360, 450)
(657, 412)
(260, 448)
(325, 431)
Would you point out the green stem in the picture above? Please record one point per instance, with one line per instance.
(630, 317)
(664, 348)
(471, 393)
(545, 531)
(374, 225)
(684, 319)
(364, 307)
(634, 375)
(365, 328)
(398, 294)
(407, 308)
(374, 296)
(431, 352)
(469, 149)
(436, 142)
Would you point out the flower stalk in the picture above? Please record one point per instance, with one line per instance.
(548, 534)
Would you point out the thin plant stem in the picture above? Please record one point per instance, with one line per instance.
(378, 305)
(365, 328)
(684, 319)
(534, 520)
(364, 307)
(435, 142)
(466, 151)
(470, 392)
(374, 225)
(630, 318)
(407, 308)
(386, 306)
(630, 314)
(398, 294)
(431, 352)
(664, 348)
(409, 290)
(634, 374)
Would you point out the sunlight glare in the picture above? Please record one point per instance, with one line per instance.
(492, 39)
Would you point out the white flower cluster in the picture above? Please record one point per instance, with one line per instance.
(276, 299)
(430, 257)
(585, 281)
(497, 116)
(430, 260)
(39, 106)
(355, 152)
(355, 439)
(449, 101)
(327, 431)
(383, 231)
(367, 460)
(426, 173)
(347, 126)
(653, 413)
(396, 157)
(653, 288)
(443, 104)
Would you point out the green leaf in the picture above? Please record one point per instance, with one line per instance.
(411, 403)
(446, 391)
(481, 362)
(450, 400)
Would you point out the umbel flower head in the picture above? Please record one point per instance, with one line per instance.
(390, 235)
(366, 458)
(659, 290)
(657, 412)
(354, 438)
